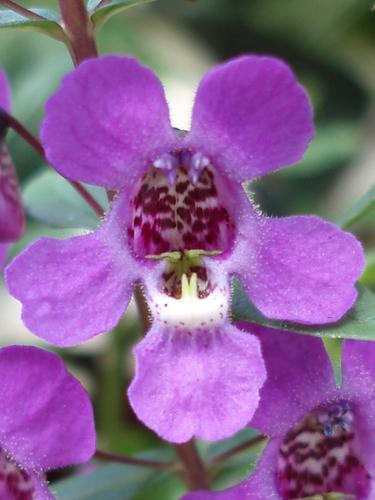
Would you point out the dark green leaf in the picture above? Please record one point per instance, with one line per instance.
(101, 15)
(49, 25)
(51, 199)
(358, 323)
(363, 206)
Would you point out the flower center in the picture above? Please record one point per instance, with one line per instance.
(319, 457)
(14, 482)
(179, 205)
(193, 302)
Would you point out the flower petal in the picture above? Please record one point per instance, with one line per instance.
(74, 289)
(358, 363)
(299, 378)
(4, 92)
(252, 116)
(46, 418)
(260, 485)
(106, 122)
(304, 270)
(204, 383)
(41, 488)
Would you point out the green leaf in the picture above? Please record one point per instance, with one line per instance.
(333, 145)
(101, 15)
(368, 276)
(358, 323)
(109, 482)
(363, 206)
(50, 25)
(51, 199)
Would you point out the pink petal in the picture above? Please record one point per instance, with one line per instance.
(251, 116)
(299, 378)
(203, 383)
(303, 269)
(74, 289)
(106, 122)
(46, 418)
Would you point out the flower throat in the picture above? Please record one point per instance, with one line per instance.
(179, 206)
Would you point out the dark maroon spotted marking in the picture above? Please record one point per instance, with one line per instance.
(15, 483)
(319, 456)
(179, 216)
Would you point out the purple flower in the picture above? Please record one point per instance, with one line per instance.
(182, 225)
(322, 436)
(11, 210)
(46, 421)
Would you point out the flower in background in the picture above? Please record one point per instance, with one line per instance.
(46, 421)
(11, 209)
(322, 436)
(182, 225)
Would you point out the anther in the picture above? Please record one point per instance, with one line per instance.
(198, 162)
(167, 163)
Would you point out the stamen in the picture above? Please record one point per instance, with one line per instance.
(197, 163)
(189, 288)
(167, 163)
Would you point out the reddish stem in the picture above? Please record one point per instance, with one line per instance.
(78, 29)
(237, 449)
(22, 10)
(7, 120)
(112, 457)
(194, 472)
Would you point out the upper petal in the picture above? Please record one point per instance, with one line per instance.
(304, 270)
(299, 378)
(4, 92)
(252, 116)
(203, 383)
(74, 289)
(46, 418)
(106, 122)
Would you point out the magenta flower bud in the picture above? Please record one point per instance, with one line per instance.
(182, 225)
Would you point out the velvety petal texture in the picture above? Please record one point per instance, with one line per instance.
(358, 362)
(303, 269)
(107, 122)
(299, 378)
(252, 116)
(74, 289)
(46, 418)
(203, 383)
(4, 92)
